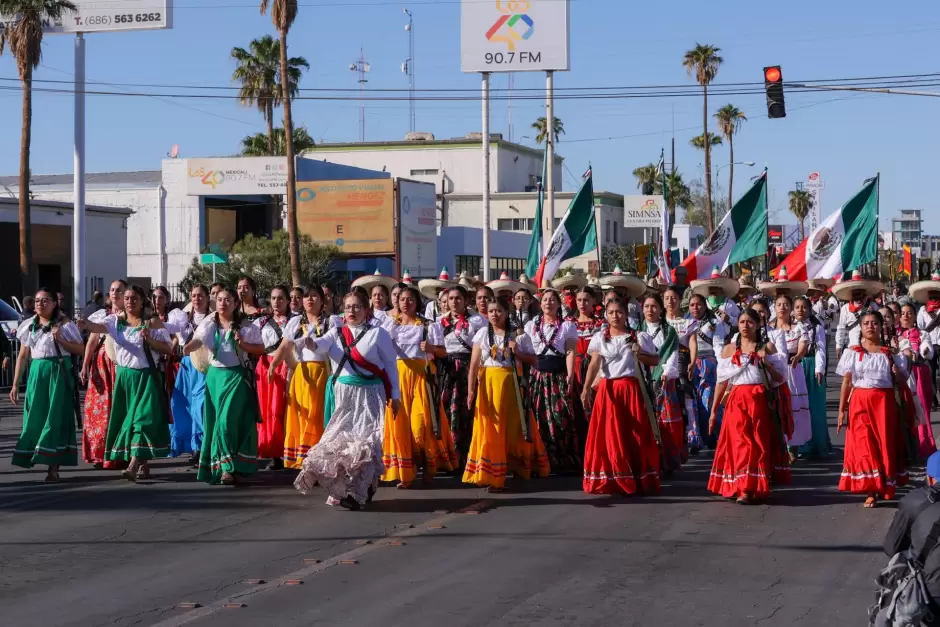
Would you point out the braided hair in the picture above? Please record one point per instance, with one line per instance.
(708, 315)
(760, 338)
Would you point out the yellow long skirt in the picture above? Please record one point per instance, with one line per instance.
(409, 440)
(304, 418)
(498, 446)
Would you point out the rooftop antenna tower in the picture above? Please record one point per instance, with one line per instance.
(362, 67)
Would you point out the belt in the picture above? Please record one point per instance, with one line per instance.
(550, 363)
(458, 356)
(683, 349)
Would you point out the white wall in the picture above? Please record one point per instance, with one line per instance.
(463, 165)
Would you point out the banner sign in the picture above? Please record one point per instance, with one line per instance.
(514, 35)
(417, 224)
(236, 176)
(355, 216)
(774, 233)
(100, 16)
(642, 211)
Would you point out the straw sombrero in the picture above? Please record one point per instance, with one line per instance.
(815, 287)
(592, 283)
(843, 290)
(369, 281)
(633, 284)
(920, 291)
(429, 288)
(570, 280)
(505, 283)
(465, 282)
(746, 286)
(824, 283)
(704, 287)
(406, 278)
(782, 285)
(655, 286)
(528, 283)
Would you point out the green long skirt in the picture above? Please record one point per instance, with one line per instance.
(48, 435)
(230, 440)
(819, 445)
(139, 425)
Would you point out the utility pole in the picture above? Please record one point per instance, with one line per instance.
(409, 68)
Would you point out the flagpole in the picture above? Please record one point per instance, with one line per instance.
(550, 173)
(877, 220)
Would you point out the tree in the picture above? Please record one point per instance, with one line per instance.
(702, 62)
(646, 177)
(22, 36)
(801, 203)
(268, 262)
(677, 193)
(283, 14)
(623, 255)
(541, 129)
(259, 145)
(258, 69)
(699, 142)
(730, 119)
(695, 209)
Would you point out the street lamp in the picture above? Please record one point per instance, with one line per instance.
(718, 171)
(408, 67)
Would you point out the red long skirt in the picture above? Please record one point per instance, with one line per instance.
(272, 399)
(875, 461)
(98, 408)
(750, 455)
(621, 455)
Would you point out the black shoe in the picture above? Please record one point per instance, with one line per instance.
(277, 464)
(350, 503)
(370, 495)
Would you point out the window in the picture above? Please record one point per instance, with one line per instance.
(432, 172)
(606, 231)
(556, 224)
(473, 266)
(673, 242)
(515, 224)
(615, 232)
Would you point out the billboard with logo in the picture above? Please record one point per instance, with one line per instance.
(814, 185)
(642, 211)
(358, 217)
(775, 234)
(417, 228)
(513, 35)
(236, 176)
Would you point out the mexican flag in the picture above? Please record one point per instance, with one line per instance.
(844, 241)
(741, 235)
(575, 235)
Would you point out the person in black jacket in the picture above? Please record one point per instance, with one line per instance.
(918, 513)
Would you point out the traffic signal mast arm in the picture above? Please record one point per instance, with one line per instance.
(877, 90)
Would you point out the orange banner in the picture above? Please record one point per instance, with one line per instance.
(356, 216)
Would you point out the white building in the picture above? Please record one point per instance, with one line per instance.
(106, 234)
(454, 165)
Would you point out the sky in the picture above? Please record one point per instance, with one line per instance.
(848, 137)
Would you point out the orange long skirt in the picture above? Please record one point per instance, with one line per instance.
(621, 454)
(875, 461)
(750, 455)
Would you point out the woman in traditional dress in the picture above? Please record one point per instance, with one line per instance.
(393, 299)
(347, 460)
(797, 339)
(377, 288)
(814, 373)
(230, 450)
(502, 442)
(521, 311)
(98, 377)
(751, 451)
(418, 436)
(48, 339)
(552, 384)
(168, 365)
(876, 450)
(915, 345)
(482, 299)
(139, 425)
(663, 379)
(710, 336)
(189, 390)
(306, 397)
(296, 300)
(272, 391)
(435, 290)
(248, 305)
(214, 290)
(622, 454)
(588, 325)
(686, 328)
(452, 341)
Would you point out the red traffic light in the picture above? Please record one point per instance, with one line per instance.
(772, 74)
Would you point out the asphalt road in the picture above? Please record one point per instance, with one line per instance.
(95, 550)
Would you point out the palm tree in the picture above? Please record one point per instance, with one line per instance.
(258, 70)
(730, 119)
(260, 145)
(801, 203)
(677, 193)
(702, 62)
(283, 14)
(646, 177)
(699, 142)
(541, 129)
(22, 36)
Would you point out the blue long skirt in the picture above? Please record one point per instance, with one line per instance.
(189, 395)
(819, 444)
(704, 380)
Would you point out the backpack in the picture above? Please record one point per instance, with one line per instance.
(902, 598)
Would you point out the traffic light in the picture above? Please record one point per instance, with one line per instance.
(773, 85)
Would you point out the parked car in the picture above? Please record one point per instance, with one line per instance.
(9, 319)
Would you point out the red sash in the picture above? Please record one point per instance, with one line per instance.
(365, 364)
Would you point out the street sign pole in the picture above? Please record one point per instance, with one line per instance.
(486, 176)
(78, 208)
(550, 157)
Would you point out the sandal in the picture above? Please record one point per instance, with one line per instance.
(53, 475)
(130, 473)
(871, 502)
(228, 479)
(744, 499)
(143, 472)
(350, 503)
(403, 486)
